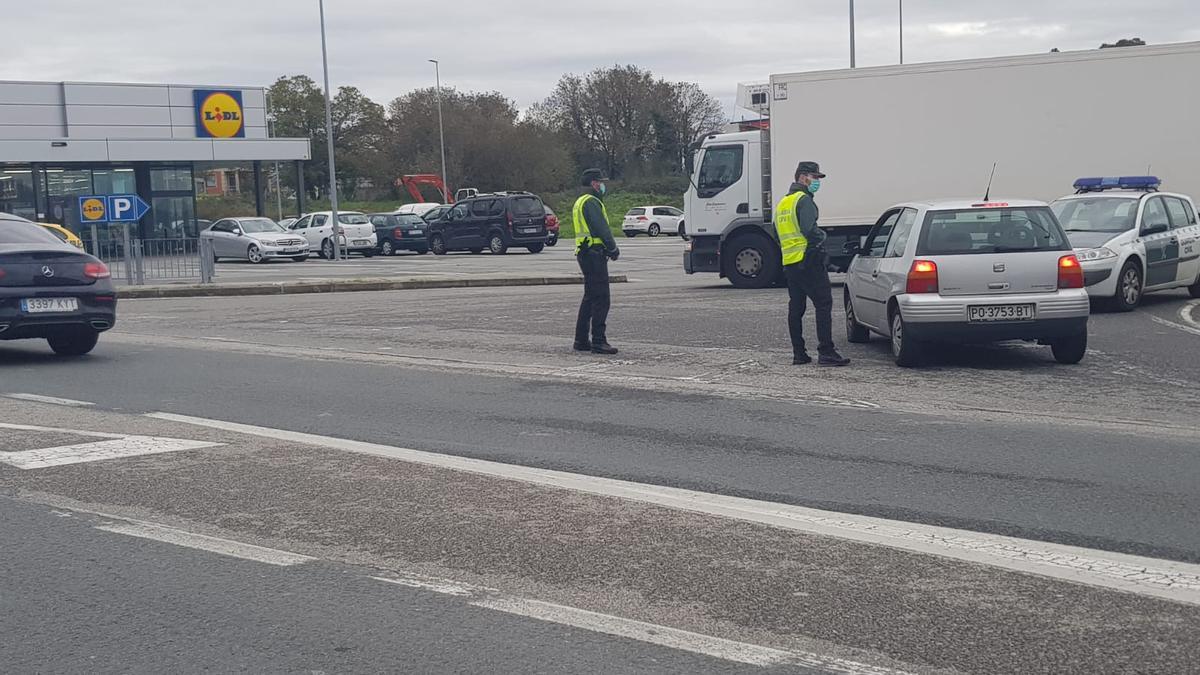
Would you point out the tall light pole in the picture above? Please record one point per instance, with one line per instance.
(851, 33)
(901, 32)
(333, 197)
(437, 73)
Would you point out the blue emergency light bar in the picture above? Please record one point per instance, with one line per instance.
(1147, 183)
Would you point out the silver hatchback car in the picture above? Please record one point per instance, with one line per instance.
(967, 272)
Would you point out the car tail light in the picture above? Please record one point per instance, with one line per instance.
(643, 218)
(1070, 272)
(398, 233)
(3, 273)
(96, 270)
(923, 277)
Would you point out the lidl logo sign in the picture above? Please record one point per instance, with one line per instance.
(219, 114)
(92, 209)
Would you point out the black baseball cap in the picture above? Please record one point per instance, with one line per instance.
(809, 167)
(592, 175)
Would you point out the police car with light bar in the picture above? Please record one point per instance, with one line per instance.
(1131, 238)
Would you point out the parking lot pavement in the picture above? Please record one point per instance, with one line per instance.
(323, 555)
(656, 260)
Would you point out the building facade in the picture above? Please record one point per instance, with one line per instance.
(193, 153)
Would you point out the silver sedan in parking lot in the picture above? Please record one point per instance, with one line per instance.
(254, 239)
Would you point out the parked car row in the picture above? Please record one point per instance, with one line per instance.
(495, 222)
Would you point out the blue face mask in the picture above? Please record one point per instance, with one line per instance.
(814, 186)
(603, 189)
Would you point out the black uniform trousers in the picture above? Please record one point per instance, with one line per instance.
(593, 311)
(809, 280)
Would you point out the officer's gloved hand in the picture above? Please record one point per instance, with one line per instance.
(614, 254)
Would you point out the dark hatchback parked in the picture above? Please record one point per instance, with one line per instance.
(496, 222)
(51, 290)
(400, 232)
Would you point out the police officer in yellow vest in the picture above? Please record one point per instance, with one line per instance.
(806, 266)
(594, 247)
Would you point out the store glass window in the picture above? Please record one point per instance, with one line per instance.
(16, 193)
(116, 181)
(171, 179)
(63, 187)
(171, 218)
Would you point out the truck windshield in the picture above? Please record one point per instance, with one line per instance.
(1096, 214)
(991, 230)
(720, 168)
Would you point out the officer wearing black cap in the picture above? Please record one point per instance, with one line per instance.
(594, 247)
(806, 266)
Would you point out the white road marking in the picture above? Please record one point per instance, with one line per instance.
(1165, 579)
(656, 634)
(1188, 314)
(203, 542)
(112, 448)
(1176, 326)
(73, 432)
(53, 400)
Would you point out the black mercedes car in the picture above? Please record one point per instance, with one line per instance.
(51, 290)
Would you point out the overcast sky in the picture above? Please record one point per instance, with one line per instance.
(521, 47)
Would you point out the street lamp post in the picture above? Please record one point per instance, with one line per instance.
(333, 196)
(851, 33)
(901, 32)
(437, 72)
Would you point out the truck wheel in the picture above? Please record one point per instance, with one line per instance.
(751, 261)
(1070, 350)
(855, 331)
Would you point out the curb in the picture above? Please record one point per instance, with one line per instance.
(344, 286)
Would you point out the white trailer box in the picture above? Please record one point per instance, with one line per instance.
(927, 131)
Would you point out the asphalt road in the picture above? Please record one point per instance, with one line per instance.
(996, 440)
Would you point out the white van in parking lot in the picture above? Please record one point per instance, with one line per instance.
(1132, 239)
(968, 272)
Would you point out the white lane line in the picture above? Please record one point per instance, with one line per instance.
(73, 432)
(113, 448)
(440, 586)
(655, 634)
(1176, 326)
(1165, 579)
(53, 400)
(203, 542)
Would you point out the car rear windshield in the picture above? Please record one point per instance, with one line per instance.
(410, 219)
(352, 219)
(527, 207)
(991, 230)
(1096, 214)
(636, 212)
(24, 232)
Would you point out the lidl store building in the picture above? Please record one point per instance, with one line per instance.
(193, 153)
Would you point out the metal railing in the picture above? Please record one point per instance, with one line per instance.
(137, 261)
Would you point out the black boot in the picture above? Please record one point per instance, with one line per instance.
(583, 346)
(603, 348)
(833, 359)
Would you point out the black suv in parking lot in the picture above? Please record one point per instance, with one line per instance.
(496, 222)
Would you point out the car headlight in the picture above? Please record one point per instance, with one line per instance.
(1089, 254)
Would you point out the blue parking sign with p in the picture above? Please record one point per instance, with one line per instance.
(112, 208)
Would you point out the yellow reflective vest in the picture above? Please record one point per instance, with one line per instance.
(583, 235)
(791, 240)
